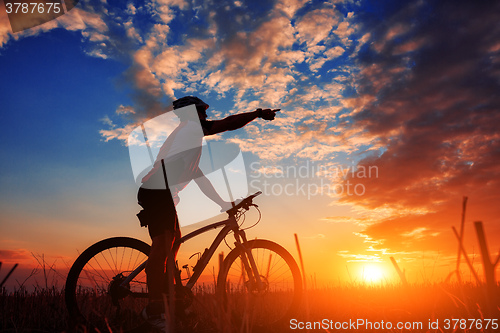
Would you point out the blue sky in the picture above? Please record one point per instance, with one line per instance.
(408, 87)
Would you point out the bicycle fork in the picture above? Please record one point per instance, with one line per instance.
(248, 262)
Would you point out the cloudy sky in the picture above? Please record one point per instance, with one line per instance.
(389, 117)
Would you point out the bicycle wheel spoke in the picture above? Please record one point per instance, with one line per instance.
(110, 266)
(137, 260)
(271, 302)
(104, 278)
(268, 266)
(94, 285)
(121, 260)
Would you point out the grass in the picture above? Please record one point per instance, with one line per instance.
(43, 309)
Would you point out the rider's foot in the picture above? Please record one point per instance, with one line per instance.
(155, 318)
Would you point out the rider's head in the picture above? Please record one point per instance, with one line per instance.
(201, 107)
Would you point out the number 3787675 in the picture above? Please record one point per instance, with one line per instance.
(471, 324)
(33, 7)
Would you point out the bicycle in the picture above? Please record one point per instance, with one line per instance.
(259, 283)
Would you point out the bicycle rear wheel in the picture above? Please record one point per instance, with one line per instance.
(275, 302)
(95, 299)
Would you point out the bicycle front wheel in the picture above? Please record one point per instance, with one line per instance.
(269, 305)
(96, 298)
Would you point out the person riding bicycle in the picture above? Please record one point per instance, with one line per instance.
(180, 154)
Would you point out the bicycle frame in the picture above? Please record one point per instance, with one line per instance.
(251, 279)
(229, 224)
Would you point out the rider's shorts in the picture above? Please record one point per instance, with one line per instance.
(159, 212)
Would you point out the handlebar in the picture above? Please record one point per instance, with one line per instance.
(243, 204)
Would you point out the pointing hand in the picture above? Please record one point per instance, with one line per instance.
(267, 114)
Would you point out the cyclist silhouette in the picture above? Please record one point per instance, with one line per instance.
(179, 157)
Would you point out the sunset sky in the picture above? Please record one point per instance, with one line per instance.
(390, 115)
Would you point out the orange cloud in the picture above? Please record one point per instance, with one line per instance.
(434, 112)
(15, 256)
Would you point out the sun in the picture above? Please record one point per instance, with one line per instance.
(372, 273)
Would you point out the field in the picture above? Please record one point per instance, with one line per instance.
(362, 308)
(472, 306)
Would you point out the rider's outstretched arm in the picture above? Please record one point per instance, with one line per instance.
(239, 120)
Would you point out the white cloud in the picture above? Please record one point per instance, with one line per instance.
(315, 26)
(258, 68)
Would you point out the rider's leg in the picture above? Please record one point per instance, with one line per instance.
(162, 222)
(177, 235)
(161, 249)
(170, 259)
(169, 299)
(155, 267)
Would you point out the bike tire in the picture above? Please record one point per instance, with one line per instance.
(93, 281)
(262, 310)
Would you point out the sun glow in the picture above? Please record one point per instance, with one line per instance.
(372, 273)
